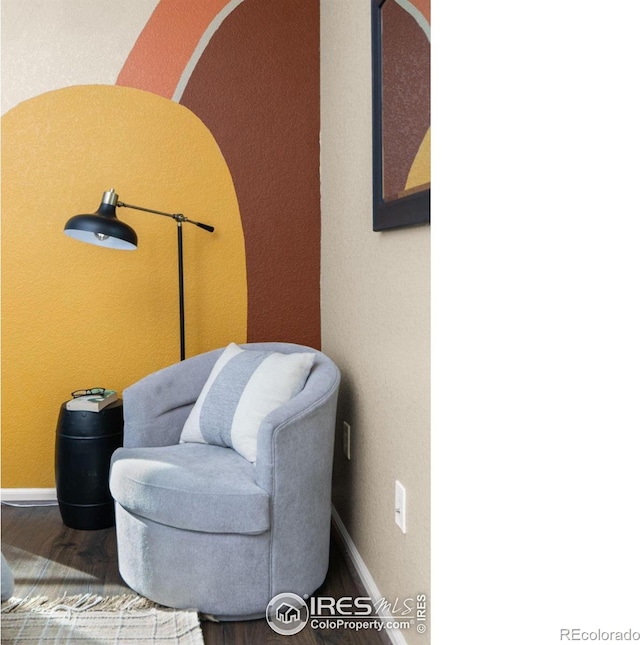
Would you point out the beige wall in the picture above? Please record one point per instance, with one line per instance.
(375, 323)
(47, 45)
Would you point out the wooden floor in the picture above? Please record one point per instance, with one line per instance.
(51, 559)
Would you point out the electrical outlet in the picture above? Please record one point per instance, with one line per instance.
(401, 507)
(346, 439)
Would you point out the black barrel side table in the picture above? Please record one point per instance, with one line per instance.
(85, 442)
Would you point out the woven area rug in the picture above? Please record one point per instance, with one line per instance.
(93, 620)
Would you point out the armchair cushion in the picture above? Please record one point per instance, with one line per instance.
(191, 486)
(243, 387)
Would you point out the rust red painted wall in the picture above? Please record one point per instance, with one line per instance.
(257, 88)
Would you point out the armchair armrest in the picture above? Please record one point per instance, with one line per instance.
(156, 407)
(294, 465)
(300, 433)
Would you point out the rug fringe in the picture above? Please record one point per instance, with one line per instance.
(84, 602)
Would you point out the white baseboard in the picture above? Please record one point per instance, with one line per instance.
(395, 635)
(28, 495)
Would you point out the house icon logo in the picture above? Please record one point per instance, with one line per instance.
(287, 614)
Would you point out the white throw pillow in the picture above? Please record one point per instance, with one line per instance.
(243, 388)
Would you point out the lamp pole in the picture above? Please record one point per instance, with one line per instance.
(179, 218)
(181, 291)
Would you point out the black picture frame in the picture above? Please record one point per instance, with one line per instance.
(409, 210)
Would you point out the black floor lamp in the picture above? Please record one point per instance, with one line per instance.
(103, 228)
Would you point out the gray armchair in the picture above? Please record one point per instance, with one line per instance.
(199, 526)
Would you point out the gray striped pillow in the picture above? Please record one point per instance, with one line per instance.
(243, 388)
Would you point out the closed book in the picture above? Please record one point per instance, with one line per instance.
(93, 402)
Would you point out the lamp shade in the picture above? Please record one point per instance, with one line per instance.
(103, 228)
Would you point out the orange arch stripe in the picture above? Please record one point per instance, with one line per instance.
(166, 44)
(424, 6)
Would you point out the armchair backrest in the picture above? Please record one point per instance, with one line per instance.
(304, 426)
(294, 464)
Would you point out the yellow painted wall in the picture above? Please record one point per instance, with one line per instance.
(76, 315)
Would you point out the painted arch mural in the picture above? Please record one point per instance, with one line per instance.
(249, 70)
(206, 107)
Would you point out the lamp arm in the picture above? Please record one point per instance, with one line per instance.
(206, 227)
(179, 217)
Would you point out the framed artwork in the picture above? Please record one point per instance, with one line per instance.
(401, 75)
